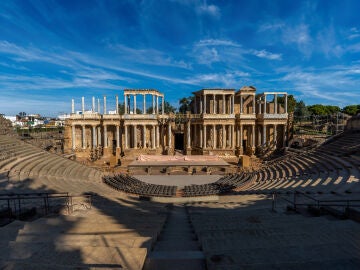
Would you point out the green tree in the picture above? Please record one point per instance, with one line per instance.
(185, 104)
(301, 110)
(351, 109)
(319, 109)
(291, 103)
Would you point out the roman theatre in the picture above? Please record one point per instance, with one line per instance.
(221, 123)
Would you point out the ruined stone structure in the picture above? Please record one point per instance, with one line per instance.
(221, 122)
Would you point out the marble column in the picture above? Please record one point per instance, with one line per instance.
(204, 137)
(275, 104)
(73, 137)
(275, 134)
(125, 104)
(117, 136)
(83, 137)
(223, 107)
(264, 134)
(157, 137)
(144, 104)
(169, 135)
(135, 136)
(253, 105)
(104, 104)
(201, 137)
(126, 137)
(72, 106)
(117, 104)
(153, 104)
(201, 106)
(253, 136)
(241, 104)
(188, 135)
(232, 104)
(105, 137)
(153, 141)
(99, 143)
(286, 101)
(223, 137)
(94, 137)
(98, 110)
(134, 112)
(204, 104)
(241, 140)
(214, 136)
(264, 104)
(232, 136)
(163, 105)
(214, 106)
(157, 104)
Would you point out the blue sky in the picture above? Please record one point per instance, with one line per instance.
(53, 51)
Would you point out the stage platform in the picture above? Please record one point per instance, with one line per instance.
(178, 180)
(190, 164)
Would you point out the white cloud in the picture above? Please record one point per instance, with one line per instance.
(267, 55)
(300, 36)
(212, 10)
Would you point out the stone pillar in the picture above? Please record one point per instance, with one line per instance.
(93, 105)
(232, 105)
(157, 136)
(264, 103)
(275, 104)
(241, 140)
(73, 137)
(201, 105)
(104, 104)
(204, 136)
(223, 108)
(126, 145)
(204, 103)
(144, 136)
(94, 137)
(157, 104)
(72, 106)
(286, 101)
(83, 105)
(125, 104)
(105, 137)
(275, 134)
(253, 105)
(264, 134)
(99, 136)
(117, 136)
(163, 105)
(83, 137)
(117, 104)
(259, 106)
(214, 112)
(253, 137)
(153, 104)
(135, 136)
(169, 135)
(98, 110)
(134, 112)
(188, 135)
(153, 140)
(284, 135)
(223, 137)
(214, 136)
(201, 137)
(241, 104)
(232, 141)
(144, 103)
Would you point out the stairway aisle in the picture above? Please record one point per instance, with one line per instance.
(177, 247)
